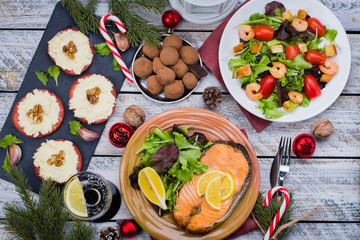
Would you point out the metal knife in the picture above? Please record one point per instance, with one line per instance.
(274, 171)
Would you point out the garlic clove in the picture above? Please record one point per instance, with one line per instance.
(14, 154)
(87, 134)
(122, 42)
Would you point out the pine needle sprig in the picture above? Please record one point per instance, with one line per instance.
(79, 13)
(16, 224)
(90, 16)
(81, 230)
(138, 29)
(156, 6)
(265, 215)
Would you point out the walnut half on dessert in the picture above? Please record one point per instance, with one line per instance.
(92, 98)
(57, 159)
(38, 114)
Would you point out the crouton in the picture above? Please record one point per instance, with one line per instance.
(287, 105)
(244, 71)
(256, 48)
(302, 14)
(287, 15)
(238, 48)
(325, 78)
(330, 50)
(302, 46)
(279, 48)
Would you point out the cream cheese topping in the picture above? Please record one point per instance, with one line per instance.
(59, 174)
(51, 110)
(83, 56)
(82, 106)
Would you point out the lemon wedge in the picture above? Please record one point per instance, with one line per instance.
(213, 193)
(204, 180)
(151, 185)
(75, 200)
(227, 187)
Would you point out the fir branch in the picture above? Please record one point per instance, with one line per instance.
(156, 6)
(81, 230)
(16, 222)
(90, 17)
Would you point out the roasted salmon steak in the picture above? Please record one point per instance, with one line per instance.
(192, 212)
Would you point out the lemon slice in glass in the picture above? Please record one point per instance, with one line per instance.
(213, 193)
(227, 187)
(205, 179)
(151, 185)
(75, 200)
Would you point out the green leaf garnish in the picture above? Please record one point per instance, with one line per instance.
(42, 76)
(74, 125)
(8, 140)
(6, 166)
(115, 64)
(102, 49)
(54, 71)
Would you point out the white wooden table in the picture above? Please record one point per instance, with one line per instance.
(330, 179)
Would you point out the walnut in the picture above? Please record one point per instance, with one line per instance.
(70, 50)
(57, 159)
(93, 95)
(134, 116)
(36, 113)
(322, 128)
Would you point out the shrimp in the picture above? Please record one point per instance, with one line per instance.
(246, 32)
(300, 25)
(251, 91)
(278, 70)
(330, 67)
(296, 97)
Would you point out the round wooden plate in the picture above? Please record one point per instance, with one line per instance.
(215, 127)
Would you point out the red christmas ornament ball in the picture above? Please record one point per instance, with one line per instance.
(119, 134)
(129, 228)
(170, 18)
(304, 145)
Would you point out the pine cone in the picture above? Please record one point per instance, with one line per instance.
(109, 233)
(212, 96)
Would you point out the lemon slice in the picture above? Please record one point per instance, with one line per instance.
(152, 186)
(75, 200)
(213, 193)
(227, 187)
(205, 179)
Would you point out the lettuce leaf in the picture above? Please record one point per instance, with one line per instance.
(330, 34)
(270, 107)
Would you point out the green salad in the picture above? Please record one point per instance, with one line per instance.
(279, 59)
(174, 155)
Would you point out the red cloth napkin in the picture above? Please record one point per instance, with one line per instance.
(248, 226)
(209, 53)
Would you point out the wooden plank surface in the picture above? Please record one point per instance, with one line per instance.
(18, 47)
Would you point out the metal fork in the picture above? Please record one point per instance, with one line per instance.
(284, 160)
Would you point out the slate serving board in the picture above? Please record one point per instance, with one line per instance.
(59, 20)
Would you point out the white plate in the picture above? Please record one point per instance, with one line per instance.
(332, 90)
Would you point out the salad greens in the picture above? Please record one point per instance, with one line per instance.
(174, 156)
(260, 62)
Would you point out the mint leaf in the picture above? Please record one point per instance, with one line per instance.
(8, 140)
(6, 166)
(54, 71)
(74, 125)
(42, 76)
(102, 49)
(115, 64)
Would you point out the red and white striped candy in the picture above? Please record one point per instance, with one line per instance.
(281, 210)
(112, 45)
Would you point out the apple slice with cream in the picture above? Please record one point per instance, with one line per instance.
(71, 50)
(38, 114)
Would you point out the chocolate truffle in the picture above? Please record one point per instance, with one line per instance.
(165, 76)
(180, 68)
(169, 56)
(150, 51)
(189, 80)
(153, 85)
(173, 41)
(157, 64)
(189, 55)
(174, 90)
(142, 67)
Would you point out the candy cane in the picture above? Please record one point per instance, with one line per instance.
(112, 45)
(281, 210)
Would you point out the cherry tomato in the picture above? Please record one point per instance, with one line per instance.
(267, 84)
(315, 57)
(314, 24)
(291, 52)
(264, 33)
(311, 87)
